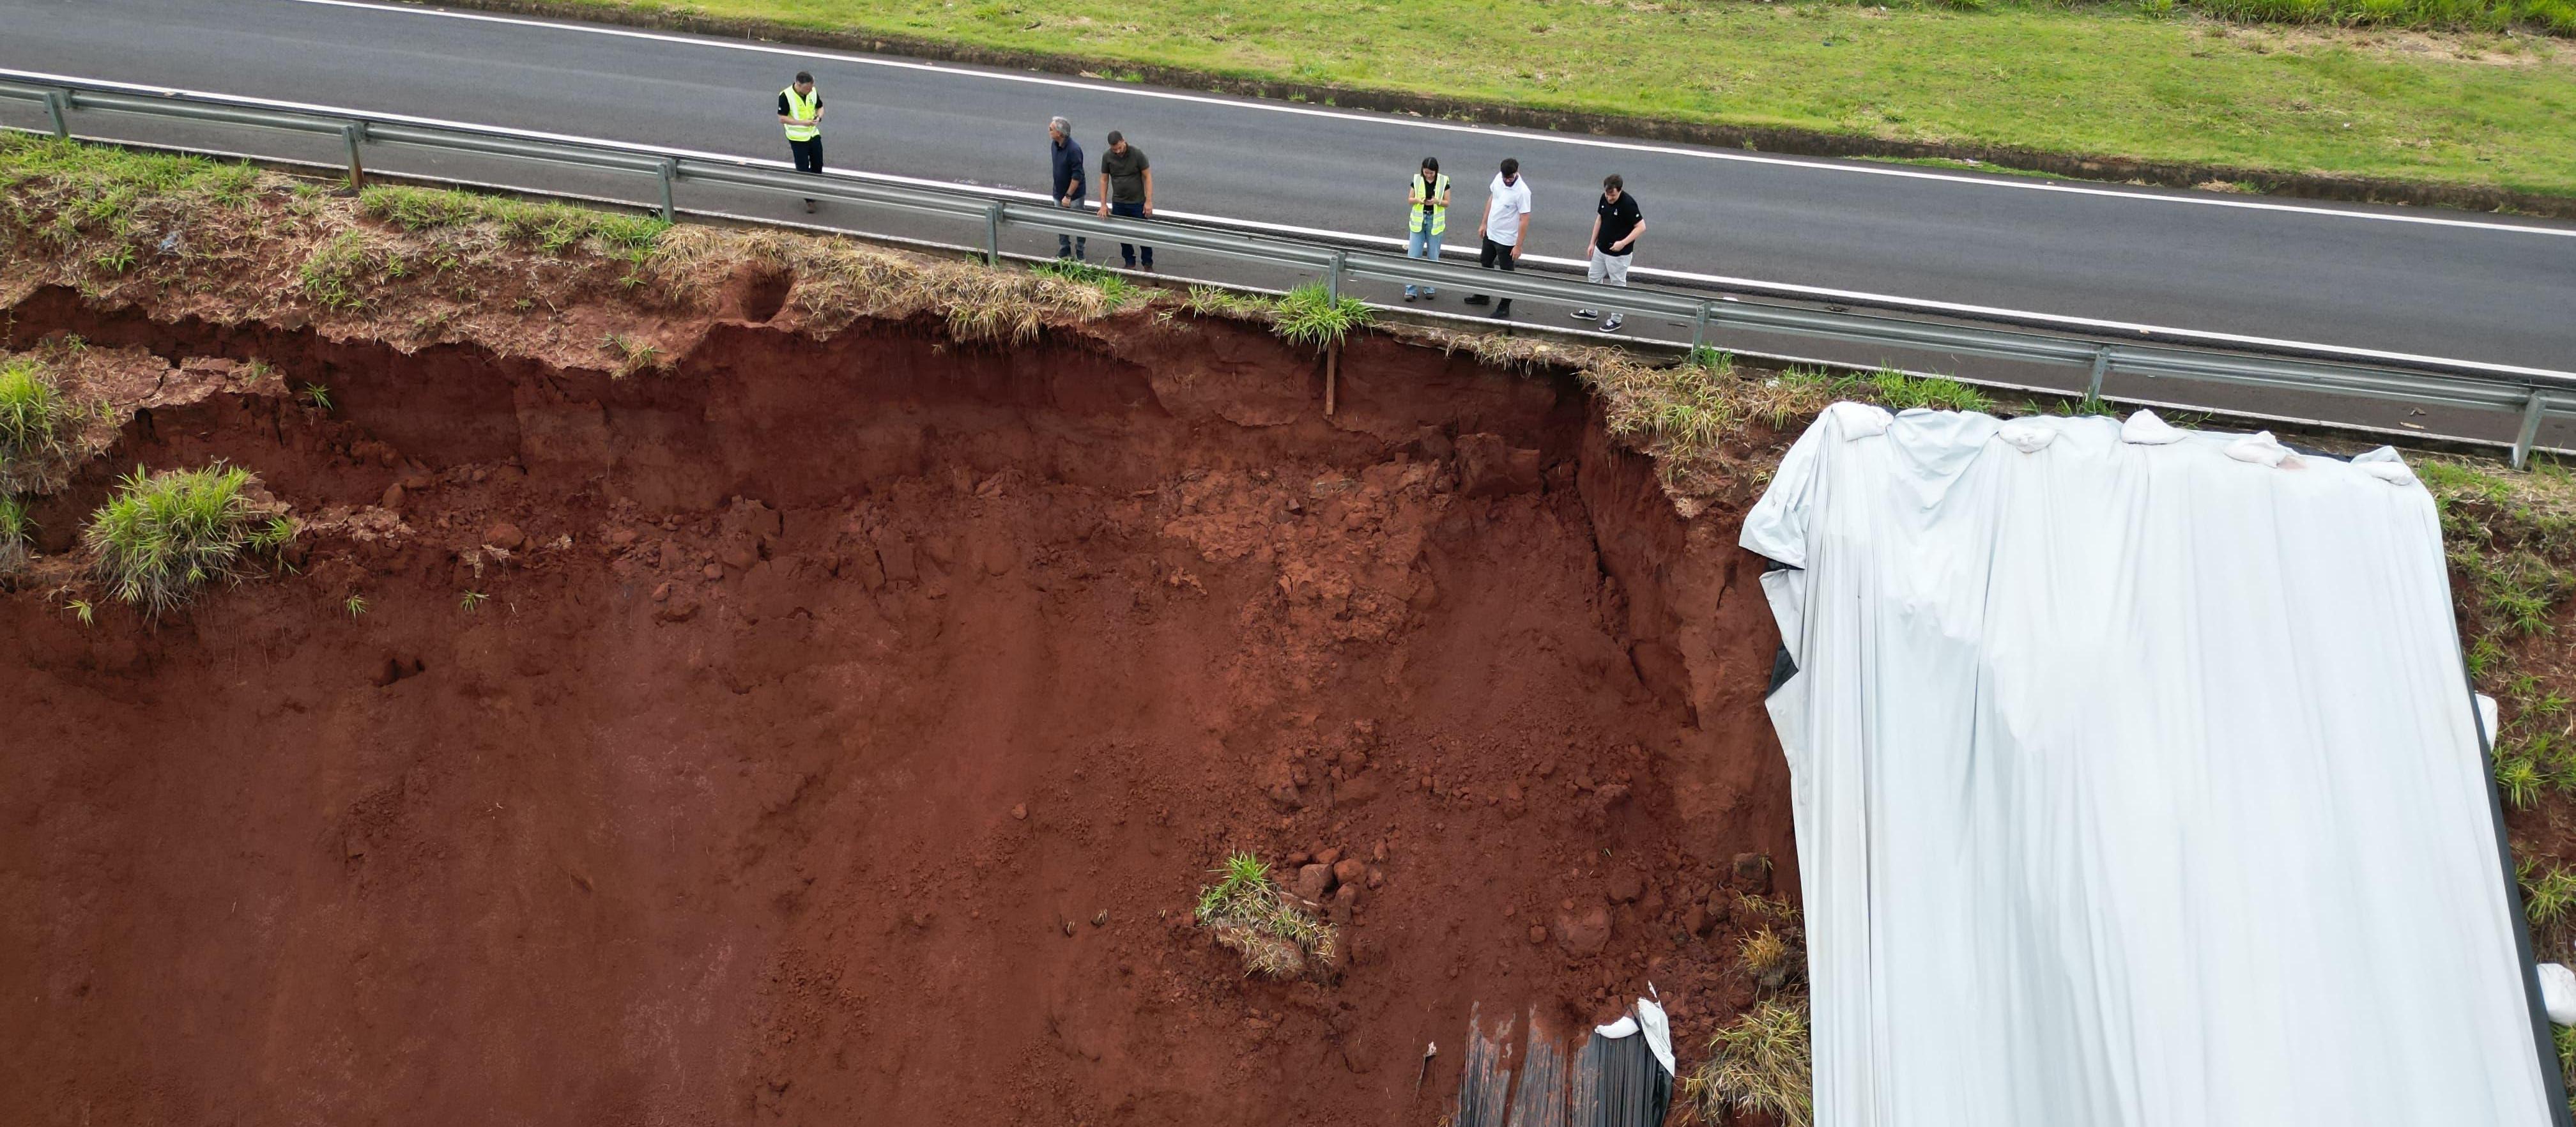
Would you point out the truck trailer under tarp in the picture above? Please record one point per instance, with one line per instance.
(2137, 782)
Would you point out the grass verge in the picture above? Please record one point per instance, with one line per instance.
(163, 536)
(1276, 939)
(2149, 81)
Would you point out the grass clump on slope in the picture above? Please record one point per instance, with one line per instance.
(1277, 939)
(15, 531)
(163, 536)
(1309, 315)
(33, 416)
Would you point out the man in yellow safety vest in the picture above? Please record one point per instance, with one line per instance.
(800, 110)
(1426, 217)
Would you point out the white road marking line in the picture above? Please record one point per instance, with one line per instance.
(1817, 292)
(2020, 184)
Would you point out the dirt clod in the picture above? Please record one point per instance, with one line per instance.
(1314, 882)
(1585, 933)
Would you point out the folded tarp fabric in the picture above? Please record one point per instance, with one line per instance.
(2136, 782)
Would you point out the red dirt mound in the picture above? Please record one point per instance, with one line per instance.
(846, 728)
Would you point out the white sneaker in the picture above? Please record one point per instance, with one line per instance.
(1611, 325)
(1586, 314)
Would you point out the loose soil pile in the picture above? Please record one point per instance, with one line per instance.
(836, 726)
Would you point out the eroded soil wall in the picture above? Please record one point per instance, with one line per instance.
(846, 728)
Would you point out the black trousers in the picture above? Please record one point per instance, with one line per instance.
(809, 155)
(1127, 251)
(1498, 254)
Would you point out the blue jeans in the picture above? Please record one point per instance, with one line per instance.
(1422, 244)
(1127, 251)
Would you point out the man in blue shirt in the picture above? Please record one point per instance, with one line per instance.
(1067, 189)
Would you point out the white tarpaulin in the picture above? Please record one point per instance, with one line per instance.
(2136, 783)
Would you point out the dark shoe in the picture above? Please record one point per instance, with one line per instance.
(1477, 299)
(1587, 314)
(809, 207)
(1611, 325)
(1503, 310)
(1408, 295)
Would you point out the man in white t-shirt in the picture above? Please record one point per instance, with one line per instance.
(1504, 228)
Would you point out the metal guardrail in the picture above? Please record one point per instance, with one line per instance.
(2537, 395)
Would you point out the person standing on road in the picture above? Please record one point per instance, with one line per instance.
(1067, 189)
(1426, 217)
(1504, 228)
(1616, 223)
(800, 110)
(1127, 188)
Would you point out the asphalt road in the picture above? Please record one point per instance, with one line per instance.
(2446, 284)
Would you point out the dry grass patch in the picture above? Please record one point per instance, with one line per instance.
(1758, 1064)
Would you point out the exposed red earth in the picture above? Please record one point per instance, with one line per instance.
(848, 725)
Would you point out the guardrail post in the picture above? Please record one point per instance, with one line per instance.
(2532, 410)
(1699, 330)
(54, 105)
(355, 132)
(667, 172)
(2101, 364)
(1333, 281)
(993, 233)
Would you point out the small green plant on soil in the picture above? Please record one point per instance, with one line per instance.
(355, 604)
(14, 530)
(115, 260)
(82, 610)
(32, 414)
(632, 355)
(339, 273)
(1250, 917)
(1311, 316)
(2548, 892)
(1758, 1064)
(316, 395)
(163, 536)
(472, 601)
(1111, 284)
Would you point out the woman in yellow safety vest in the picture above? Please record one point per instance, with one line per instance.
(800, 111)
(1426, 217)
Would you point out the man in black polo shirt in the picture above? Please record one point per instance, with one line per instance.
(1616, 223)
(1127, 189)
